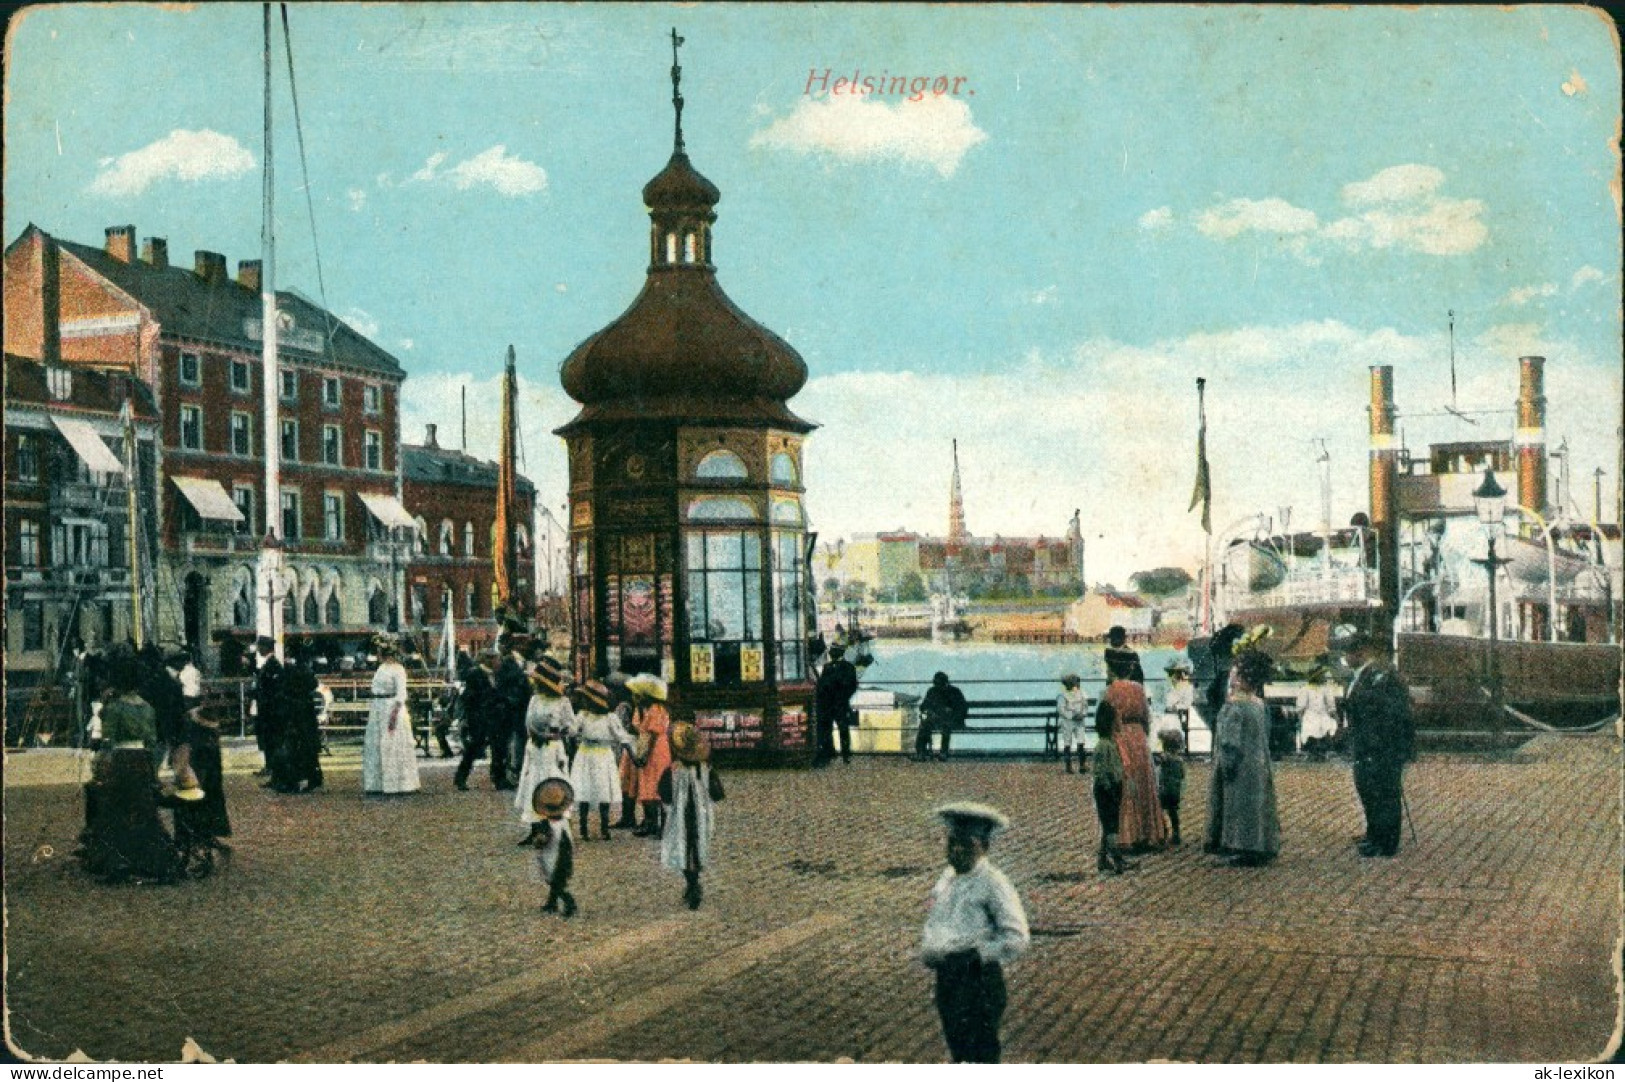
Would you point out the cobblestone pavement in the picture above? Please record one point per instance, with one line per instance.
(408, 928)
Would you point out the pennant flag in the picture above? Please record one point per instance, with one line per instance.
(1203, 492)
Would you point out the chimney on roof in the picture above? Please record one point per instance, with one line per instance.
(428, 438)
(248, 274)
(155, 252)
(210, 266)
(121, 242)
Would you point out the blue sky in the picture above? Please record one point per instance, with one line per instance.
(1117, 201)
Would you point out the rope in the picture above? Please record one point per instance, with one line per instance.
(310, 206)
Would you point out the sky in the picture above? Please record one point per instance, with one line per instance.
(1102, 205)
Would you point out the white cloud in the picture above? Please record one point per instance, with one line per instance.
(494, 166)
(1586, 274)
(407, 343)
(1440, 227)
(1239, 216)
(361, 322)
(1160, 218)
(358, 198)
(1046, 295)
(1525, 294)
(1396, 184)
(180, 155)
(934, 132)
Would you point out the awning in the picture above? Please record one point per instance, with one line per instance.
(87, 445)
(209, 498)
(388, 510)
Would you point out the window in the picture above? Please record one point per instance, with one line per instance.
(468, 539)
(721, 509)
(420, 539)
(332, 445)
(59, 381)
(331, 394)
(33, 625)
(290, 609)
(721, 466)
(725, 599)
(290, 441)
(420, 603)
(445, 599)
(28, 543)
(335, 613)
(290, 385)
(333, 516)
(377, 606)
(290, 516)
(447, 532)
(313, 609)
(788, 600)
(521, 542)
(782, 470)
(242, 607)
(374, 450)
(241, 381)
(671, 247)
(243, 497)
(786, 511)
(469, 593)
(191, 370)
(27, 457)
(688, 248)
(372, 398)
(192, 428)
(242, 427)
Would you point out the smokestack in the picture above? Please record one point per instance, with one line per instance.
(121, 242)
(248, 274)
(209, 266)
(429, 437)
(1385, 488)
(1530, 438)
(155, 251)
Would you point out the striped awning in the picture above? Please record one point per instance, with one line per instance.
(209, 498)
(87, 445)
(388, 511)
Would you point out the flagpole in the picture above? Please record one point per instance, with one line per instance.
(1205, 493)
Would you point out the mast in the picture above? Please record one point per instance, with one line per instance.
(1202, 493)
(268, 617)
(505, 556)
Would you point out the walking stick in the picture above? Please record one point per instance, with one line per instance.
(1403, 803)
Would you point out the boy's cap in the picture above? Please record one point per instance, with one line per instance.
(972, 818)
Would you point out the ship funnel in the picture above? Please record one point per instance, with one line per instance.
(1385, 487)
(1530, 438)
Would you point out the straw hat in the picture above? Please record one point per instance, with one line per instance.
(981, 820)
(688, 745)
(1178, 665)
(647, 685)
(553, 798)
(595, 694)
(547, 682)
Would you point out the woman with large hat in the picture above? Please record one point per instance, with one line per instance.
(548, 720)
(691, 790)
(389, 756)
(652, 753)
(594, 772)
(1140, 824)
(1243, 823)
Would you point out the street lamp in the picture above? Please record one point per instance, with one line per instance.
(1490, 500)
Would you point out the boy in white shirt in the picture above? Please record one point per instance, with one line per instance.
(975, 927)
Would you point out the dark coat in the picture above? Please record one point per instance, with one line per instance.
(513, 689)
(836, 686)
(944, 706)
(482, 708)
(270, 718)
(1378, 708)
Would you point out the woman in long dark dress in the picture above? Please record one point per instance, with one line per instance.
(124, 837)
(202, 821)
(1248, 828)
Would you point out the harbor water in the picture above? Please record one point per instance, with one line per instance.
(998, 671)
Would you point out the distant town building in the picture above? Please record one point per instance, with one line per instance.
(1091, 617)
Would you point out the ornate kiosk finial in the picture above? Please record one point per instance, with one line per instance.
(676, 88)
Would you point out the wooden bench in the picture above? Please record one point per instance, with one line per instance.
(1039, 711)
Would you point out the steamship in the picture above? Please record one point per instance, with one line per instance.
(1412, 571)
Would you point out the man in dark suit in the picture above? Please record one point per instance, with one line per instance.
(269, 726)
(1381, 737)
(833, 703)
(483, 713)
(513, 688)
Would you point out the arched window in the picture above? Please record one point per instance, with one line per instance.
(313, 610)
(469, 594)
(290, 609)
(377, 606)
(782, 470)
(468, 540)
(448, 533)
(786, 511)
(521, 541)
(671, 247)
(446, 596)
(242, 607)
(722, 466)
(721, 509)
(688, 248)
(420, 539)
(335, 610)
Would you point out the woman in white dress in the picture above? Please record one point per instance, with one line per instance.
(1317, 714)
(1179, 701)
(389, 757)
(596, 774)
(548, 720)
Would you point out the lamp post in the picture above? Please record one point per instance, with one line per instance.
(1490, 500)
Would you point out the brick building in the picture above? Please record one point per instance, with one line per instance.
(452, 497)
(194, 336)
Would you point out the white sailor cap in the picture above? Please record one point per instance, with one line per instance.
(978, 819)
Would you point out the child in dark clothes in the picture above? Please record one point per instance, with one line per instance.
(1109, 782)
(1171, 777)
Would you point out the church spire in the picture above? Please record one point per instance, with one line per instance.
(676, 91)
(957, 533)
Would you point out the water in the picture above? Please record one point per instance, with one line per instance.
(1000, 671)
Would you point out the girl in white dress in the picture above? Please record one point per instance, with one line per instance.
(1179, 702)
(548, 720)
(1317, 714)
(596, 773)
(389, 757)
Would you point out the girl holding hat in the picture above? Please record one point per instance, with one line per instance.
(389, 757)
(691, 790)
(651, 722)
(548, 720)
(594, 773)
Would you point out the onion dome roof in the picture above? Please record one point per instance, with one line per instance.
(680, 185)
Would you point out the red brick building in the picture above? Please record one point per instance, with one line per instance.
(194, 335)
(452, 496)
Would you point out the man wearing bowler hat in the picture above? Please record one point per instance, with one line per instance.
(976, 927)
(833, 698)
(1381, 737)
